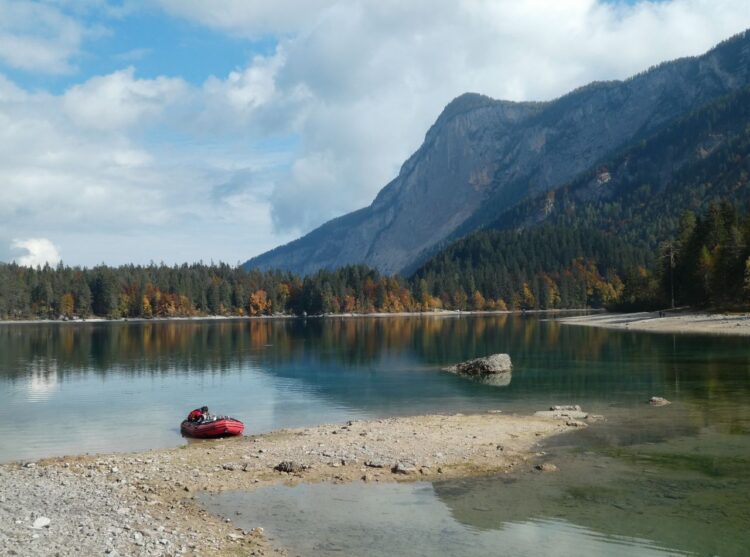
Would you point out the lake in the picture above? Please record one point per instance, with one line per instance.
(648, 481)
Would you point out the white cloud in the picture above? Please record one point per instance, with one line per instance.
(369, 77)
(106, 190)
(39, 251)
(121, 168)
(249, 17)
(37, 36)
(119, 100)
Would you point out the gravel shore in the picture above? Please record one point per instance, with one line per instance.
(667, 322)
(143, 504)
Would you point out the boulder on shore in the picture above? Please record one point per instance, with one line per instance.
(491, 370)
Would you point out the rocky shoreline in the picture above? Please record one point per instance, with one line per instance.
(144, 503)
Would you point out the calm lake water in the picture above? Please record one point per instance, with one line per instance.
(650, 481)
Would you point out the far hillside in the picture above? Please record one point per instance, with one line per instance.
(614, 220)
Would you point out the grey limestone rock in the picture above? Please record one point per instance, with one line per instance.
(492, 370)
(496, 363)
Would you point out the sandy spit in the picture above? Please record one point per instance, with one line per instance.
(667, 322)
(143, 503)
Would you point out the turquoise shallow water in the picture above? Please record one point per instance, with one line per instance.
(648, 481)
(414, 519)
(125, 386)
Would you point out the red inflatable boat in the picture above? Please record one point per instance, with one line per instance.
(220, 427)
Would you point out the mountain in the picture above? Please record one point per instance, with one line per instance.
(482, 157)
(640, 194)
(612, 219)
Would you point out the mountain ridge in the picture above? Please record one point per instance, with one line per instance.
(483, 156)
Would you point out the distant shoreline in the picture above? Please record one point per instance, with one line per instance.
(439, 313)
(681, 322)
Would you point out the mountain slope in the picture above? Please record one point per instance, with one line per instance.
(614, 216)
(640, 194)
(482, 157)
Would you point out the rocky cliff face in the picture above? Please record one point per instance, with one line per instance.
(483, 156)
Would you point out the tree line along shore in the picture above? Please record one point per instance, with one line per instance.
(706, 264)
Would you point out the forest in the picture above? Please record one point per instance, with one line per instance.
(497, 270)
(547, 267)
(707, 264)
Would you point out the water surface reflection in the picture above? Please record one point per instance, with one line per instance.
(123, 386)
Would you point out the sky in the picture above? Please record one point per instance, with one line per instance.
(194, 130)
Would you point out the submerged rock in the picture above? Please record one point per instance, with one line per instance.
(546, 467)
(491, 370)
(495, 379)
(570, 412)
(566, 408)
(658, 401)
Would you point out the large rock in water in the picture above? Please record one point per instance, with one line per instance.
(492, 370)
(497, 363)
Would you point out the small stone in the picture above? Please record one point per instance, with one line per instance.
(289, 467)
(41, 522)
(404, 468)
(375, 464)
(228, 466)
